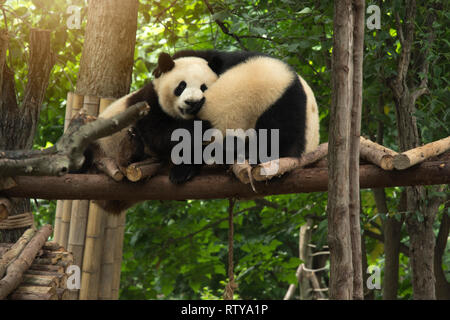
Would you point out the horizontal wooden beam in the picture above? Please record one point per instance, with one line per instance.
(216, 185)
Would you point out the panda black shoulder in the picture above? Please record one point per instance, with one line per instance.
(219, 61)
(146, 93)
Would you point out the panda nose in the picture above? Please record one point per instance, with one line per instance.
(194, 105)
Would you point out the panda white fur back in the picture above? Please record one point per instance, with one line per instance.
(261, 92)
(244, 92)
(312, 136)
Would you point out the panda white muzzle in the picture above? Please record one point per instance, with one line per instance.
(192, 107)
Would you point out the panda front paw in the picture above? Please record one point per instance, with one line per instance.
(183, 172)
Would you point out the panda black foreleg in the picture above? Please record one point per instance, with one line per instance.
(182, 173)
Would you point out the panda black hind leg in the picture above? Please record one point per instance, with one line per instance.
(288, 115)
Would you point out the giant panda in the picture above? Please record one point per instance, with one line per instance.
(226, 90)
(174, 96)
(256, 91)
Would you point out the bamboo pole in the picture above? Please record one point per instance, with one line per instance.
(59, 203)
(68, 115)
(85, 226)
(92, 253)
(414, 156)
(118, 255)
(64, 207)
(91, 105)
(107, 266)
(65, 222)
(77, 232)
(112, 246)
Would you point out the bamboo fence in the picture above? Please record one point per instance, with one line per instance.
(93, 236)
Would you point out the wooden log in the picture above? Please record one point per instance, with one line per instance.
(2, 251)
(414, 156)
(63, 294)
(53, 246)
(40, 280)
(242, 171)
(16, 269)
(15, 250)
(262, 172)
(6, 182)
(377, 154)
(33, 296)
(109, 166)
(46, 267)
(59, 255)
(140, 170)
(217, 185)
(46, 260)
(60, 278)
(92, 253)
(51, 262)
(5, 208)
(35, 289)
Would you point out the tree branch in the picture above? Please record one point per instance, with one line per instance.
(215, 185)
(68, 153)
(223, 26)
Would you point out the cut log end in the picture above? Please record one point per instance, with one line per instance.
(145, 169)
(242, 171)
(401, 162)
(109, 166)
(387, 162)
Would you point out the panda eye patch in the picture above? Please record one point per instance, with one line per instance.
(180, 88)
(203, 87)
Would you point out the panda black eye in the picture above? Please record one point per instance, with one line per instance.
(180, 88)
(203, 87)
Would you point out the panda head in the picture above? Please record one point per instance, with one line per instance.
(180, 84)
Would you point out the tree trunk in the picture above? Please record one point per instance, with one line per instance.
(18, 124)
(108, 54)
(392, 237)
(421, 209)
(442, 285)
(354, 197)
(339, 236)
(105, 71)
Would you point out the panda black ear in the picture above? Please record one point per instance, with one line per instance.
(215, 63)
(165, 64)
